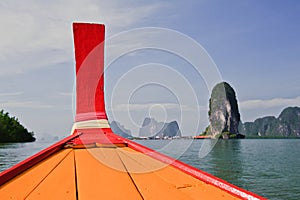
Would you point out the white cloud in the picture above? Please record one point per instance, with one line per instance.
(24, 104)
(68, 94)
(136, 107)
(36, 34)
(11, 94)
(269, 103)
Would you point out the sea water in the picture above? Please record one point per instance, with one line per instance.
(268, 167)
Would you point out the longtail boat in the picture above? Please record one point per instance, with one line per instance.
(95, 163)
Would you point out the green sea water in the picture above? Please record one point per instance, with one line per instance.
(268, 167)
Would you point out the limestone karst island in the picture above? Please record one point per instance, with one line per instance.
(225, 119)
(224, 116)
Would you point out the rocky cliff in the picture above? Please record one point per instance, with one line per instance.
(153, 129)
(286, 125)
(224, 116)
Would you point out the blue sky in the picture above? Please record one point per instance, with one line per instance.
(254, 44)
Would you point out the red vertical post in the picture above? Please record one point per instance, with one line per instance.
(89, 56)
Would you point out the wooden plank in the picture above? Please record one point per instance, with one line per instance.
(180, 181)
(96, 180)
(194, 172)
(59, 184)
(22, 185)
(150, 185)
(33, 160)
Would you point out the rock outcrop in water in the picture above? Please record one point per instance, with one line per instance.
(224, 116)
(153, 129)
(119, 129)
(286, 125)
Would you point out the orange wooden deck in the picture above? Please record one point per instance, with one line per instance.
(107, 173)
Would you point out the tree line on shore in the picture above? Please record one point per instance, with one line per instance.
(11, 130)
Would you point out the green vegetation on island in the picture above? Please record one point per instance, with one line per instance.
(224, 118)
(12, 131)
(287, 125)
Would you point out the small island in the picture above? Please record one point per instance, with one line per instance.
(153, 129)
(223, 114)
(225, 122)
(150, 129)
(12, 131)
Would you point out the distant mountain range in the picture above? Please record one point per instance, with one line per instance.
(286, 125)
(150, 129)
(153, 129)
